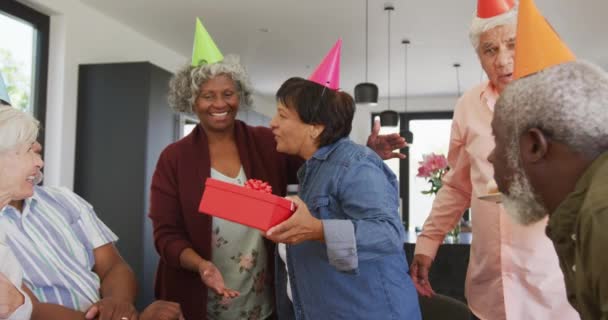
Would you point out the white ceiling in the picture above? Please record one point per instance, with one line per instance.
(301, 33)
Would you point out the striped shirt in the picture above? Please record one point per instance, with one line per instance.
(10, 268)
(53, 239)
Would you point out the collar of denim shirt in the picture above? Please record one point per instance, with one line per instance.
(325, 151)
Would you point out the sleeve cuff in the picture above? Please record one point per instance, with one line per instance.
(426, 246)
(24, 311)
(173, 251)
(341, 244)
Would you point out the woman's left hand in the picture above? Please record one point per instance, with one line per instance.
(301, 226)
(385, 145)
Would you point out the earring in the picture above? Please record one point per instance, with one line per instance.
(313, 133)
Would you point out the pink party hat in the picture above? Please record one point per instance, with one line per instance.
(327, 72)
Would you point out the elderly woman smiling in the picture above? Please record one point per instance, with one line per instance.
(20, 162)
(344, 253)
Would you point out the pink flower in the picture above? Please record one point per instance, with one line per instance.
(435, 162)
(246, 262)
(430, 164)
(438, 162)
(432, 168)
(442, 162)
(225, 301)
(424, 171)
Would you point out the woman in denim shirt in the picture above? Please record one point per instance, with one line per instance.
(344, 243)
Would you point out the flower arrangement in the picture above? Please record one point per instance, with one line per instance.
(432, 168)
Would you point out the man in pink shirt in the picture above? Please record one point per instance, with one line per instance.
(513, 270)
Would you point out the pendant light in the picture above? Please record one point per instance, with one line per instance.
(406, 134)
(457, 67)
(366, 92)
(389, 118)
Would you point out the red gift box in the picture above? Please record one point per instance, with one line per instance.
(249, 207)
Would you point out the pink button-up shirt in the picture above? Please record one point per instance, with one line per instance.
(513, 270)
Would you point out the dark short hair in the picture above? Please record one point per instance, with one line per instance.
(316, 104)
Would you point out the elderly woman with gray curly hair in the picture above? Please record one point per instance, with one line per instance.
(214, 268)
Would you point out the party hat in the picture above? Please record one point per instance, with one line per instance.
(327, 72)
(4, 92)
(491, 8)
(537, 45)
(204, 50)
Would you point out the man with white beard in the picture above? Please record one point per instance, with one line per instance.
(550, 129)
(551, 156)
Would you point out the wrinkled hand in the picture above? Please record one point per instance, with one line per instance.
(213, 279)
(419, 272)
(111, 309)
(162, 310)
(301, 226)
(384, 145)
(10, 298)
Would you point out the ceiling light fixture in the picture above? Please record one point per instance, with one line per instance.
(406, 134)
(389, 118)
(366, 92)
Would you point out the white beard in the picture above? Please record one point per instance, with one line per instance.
(522, 204)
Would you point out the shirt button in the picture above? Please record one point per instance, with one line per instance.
(574, 267)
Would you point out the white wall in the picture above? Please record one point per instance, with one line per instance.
(81, 35)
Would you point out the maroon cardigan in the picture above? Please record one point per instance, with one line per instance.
(177, 187)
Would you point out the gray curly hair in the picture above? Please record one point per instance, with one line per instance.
(481, 25)
(569, 102)
(185, 85)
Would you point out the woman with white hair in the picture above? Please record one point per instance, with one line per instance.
(20, 164)
(513, 270)
(19, 158)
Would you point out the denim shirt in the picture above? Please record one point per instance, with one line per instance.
(360, 272)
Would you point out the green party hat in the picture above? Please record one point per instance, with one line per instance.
(204, 50)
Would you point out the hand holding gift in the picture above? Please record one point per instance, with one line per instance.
(252, 205)
(302, 226)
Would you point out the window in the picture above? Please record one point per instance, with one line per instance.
(24, 57)
(395, 164)
(187, 123)
(431, 134)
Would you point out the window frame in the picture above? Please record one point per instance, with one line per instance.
(41, 23)
(181, 120)
(404, 170)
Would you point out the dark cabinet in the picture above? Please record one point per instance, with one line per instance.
(124, 122)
